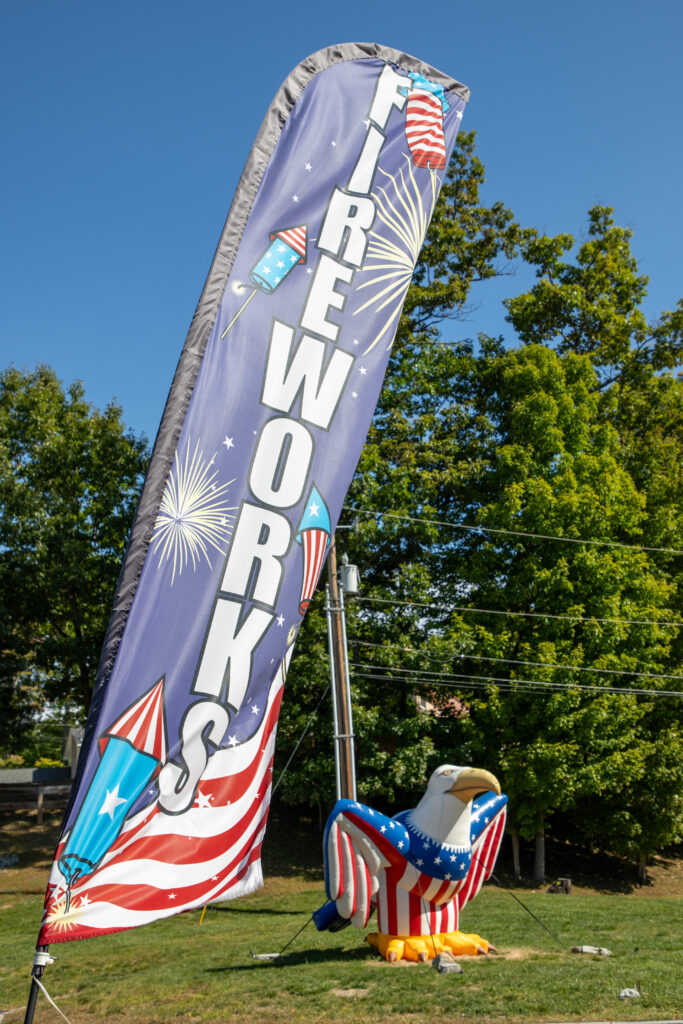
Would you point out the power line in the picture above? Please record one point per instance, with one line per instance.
(517, 661)
(511, 533)
(508, 684)
(534, 615)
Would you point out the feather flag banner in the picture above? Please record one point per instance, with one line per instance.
(262, 431)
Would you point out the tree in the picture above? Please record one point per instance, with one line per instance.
(592, 303)
(69, 482)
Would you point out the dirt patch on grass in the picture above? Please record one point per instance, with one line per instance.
(350, 993)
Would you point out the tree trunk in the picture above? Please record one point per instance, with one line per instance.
(642, 869)
(539, 857)
(516, 870)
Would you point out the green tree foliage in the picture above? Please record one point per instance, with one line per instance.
(592, 303)
(69, 481)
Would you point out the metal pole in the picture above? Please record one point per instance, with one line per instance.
(37, 972)
(334, 692)
(339, 672)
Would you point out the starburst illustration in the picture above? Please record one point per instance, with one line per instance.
(194, 515)
(391, 261)
(62, 917)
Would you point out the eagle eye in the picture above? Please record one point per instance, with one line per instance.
(447, 772)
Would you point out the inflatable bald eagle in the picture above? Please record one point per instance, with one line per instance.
(418, 869)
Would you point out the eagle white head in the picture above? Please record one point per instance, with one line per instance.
(444, 811)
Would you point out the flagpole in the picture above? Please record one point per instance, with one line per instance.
(37, 972)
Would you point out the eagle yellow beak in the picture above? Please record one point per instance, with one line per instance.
(472, 781)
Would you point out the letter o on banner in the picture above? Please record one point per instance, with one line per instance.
(281, 463)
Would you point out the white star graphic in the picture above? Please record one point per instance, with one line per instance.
(255, 709)
(437, 860)
(204, 800)
(363, 371)
(383, 828)
(419, 862)
(355, 341)
(391, 824)
(280, 620)
(171, 895)
(354, 394)
(295, 199)
(309, 271)
(313, 509)
(400, 844)
(333, 143)
(111, 802)
(232, 742)
(462, 866)
(85, 901)
(308, 167)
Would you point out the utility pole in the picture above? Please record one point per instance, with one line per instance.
(344, 759)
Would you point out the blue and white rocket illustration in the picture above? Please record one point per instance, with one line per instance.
(313, 534)
(287, 249)
(133, 750)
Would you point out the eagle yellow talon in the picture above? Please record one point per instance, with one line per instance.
(420, 948)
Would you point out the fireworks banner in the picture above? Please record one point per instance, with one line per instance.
(262, 431)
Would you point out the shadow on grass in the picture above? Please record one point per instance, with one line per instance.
(265, 911)
(306, 956)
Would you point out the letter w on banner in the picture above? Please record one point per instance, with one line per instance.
(264, 425)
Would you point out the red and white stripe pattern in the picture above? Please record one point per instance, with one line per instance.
(163, 864)
(142, 724)
(295, 238)
(424, 129)
(484, 853)
(314, 544)
(412, 903)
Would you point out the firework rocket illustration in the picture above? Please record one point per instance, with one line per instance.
(314, 536)
(424, 123)
(132, 751)
(287, 250)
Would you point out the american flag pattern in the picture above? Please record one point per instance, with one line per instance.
(208, 854)
(417, 885)
(314, 544)
(142, 725)
(424, 129)
(295, 238)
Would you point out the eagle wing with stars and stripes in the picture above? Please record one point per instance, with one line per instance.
(359, 845)
(486, 833)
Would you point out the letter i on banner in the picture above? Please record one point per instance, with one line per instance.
(264, 425)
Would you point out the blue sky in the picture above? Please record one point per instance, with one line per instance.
(125, 127)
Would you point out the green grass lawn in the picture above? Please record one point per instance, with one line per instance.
(181, 970)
